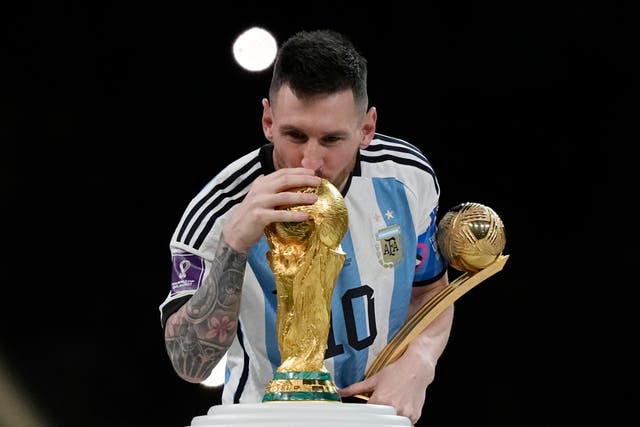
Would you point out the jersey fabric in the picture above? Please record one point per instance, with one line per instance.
(392, 200)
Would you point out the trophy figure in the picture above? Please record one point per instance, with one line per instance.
(306, 259)
(471, 238)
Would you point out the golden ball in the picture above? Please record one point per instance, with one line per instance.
(470, 236)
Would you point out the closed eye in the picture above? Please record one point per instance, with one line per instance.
(295, 135)
(333, 139)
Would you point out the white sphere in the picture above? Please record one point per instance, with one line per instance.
(255, 49)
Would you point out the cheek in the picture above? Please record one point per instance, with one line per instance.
(339, 158)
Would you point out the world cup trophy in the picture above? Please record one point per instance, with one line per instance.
(306, 259)
(471, 238)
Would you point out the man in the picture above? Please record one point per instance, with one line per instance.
(222, 300)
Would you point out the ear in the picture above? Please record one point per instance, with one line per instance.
(369, 127)
(267, 119)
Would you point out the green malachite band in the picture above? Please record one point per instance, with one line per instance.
(301, 386)
(302, 375)
(304, 396)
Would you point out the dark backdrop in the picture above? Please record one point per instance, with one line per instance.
(114, 115)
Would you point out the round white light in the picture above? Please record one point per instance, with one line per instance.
(255, 49)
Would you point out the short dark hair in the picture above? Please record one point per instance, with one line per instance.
(320, 62)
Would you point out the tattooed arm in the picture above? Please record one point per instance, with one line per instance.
(201, 331)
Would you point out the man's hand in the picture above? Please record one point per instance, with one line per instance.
(401, 384)
(262, 205)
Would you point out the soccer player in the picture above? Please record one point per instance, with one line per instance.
(318, 124)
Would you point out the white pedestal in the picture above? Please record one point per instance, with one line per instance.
(301, 414)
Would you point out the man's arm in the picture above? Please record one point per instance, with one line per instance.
(403, 383)
(201, 331)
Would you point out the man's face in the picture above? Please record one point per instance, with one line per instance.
(323, 133)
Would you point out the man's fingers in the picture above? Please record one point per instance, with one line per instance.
(285, 179)
(363, 388)
(289, 198)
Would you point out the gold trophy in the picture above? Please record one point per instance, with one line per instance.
(471, 238)
(306, 259)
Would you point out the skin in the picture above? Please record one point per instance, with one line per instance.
(313, 138)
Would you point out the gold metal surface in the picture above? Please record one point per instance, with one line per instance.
(306, 259)
(299, 385)
(471, 238)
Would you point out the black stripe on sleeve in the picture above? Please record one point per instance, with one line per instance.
(207, 198)
(407, 147)
(227, 205)
(402, 160)
(245, 367)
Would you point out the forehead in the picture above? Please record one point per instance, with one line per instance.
(338, 108)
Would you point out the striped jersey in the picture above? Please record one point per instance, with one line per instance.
(392, 201)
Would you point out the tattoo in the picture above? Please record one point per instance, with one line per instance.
(201, 331)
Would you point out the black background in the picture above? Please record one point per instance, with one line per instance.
(114, 115)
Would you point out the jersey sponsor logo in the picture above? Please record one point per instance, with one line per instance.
(389, 246)
(187, 272)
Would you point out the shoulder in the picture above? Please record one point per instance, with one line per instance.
(390, 156)
(236, 176)
(244, 166)
(206, 211)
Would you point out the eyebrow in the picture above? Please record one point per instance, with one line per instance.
(289, 128)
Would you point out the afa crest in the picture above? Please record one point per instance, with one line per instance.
(390, 246)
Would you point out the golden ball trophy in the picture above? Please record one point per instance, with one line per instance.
(471, 238)
(306, 259)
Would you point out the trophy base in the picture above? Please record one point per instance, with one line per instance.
(301, 414)
(301, 386)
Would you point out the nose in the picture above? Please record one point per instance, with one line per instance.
(312, 156)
